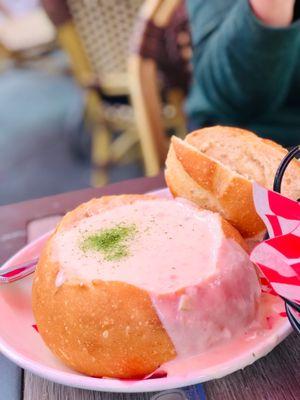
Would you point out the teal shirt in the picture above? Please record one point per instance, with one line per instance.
(245, 73)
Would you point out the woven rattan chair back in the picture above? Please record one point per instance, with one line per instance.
(105, 27)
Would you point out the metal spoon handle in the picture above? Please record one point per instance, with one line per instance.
(15, 272)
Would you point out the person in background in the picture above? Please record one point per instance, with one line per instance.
(246, 66)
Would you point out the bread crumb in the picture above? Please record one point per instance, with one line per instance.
(105, 334)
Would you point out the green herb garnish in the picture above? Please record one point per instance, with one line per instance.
(111, 242)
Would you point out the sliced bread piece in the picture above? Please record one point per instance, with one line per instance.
(215, 167)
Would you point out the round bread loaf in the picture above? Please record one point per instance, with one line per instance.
(127, 283)
(215, 168)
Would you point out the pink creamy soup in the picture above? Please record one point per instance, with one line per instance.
(267, 320)
(174, 246)
(203, 286)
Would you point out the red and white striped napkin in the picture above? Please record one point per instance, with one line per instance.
(278, 258)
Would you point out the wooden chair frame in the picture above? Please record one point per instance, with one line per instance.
(145, 93)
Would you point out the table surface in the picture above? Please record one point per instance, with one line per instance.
(274, 377)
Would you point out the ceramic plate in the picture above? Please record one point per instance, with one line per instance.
(20, 342)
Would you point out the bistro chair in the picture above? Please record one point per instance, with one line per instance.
(95, 34)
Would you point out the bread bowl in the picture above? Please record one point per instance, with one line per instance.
(127, 283)
(215, 168)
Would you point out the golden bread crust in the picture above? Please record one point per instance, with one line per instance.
(230, 194)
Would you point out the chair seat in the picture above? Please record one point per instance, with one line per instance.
(109, 85)
(115, 84)
(31, 30)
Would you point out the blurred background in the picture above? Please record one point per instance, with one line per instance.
(90, 91)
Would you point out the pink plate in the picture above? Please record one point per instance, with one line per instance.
(21, 343)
